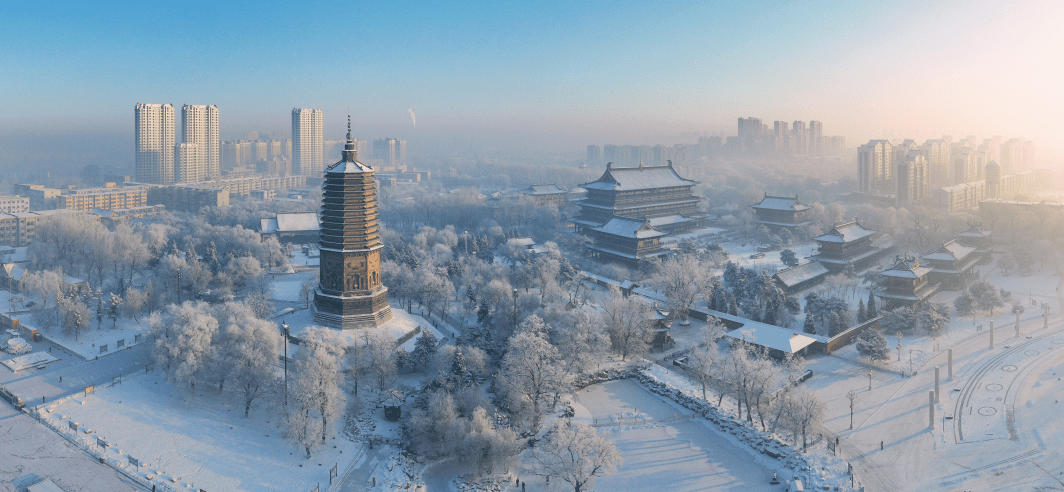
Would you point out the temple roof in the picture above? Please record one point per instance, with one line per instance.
(543, 189)
(349, 162)
(638, 178)
(844, 233)
(951, 251)
(781, 203)
(632, 228)
(906, 267)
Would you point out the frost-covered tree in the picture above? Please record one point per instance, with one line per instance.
(575, 453)
(425, 348)
(789, 258)
(306, 291)
(985, 296)
(531, 374)
(380, 359)
(680, 280)
(808, 326)
(488, 448)
(899, 319)
(934, 317)
(873, 345)
(252, 352)
(182, 338)
(706, 359)
(806, 415)
(872, 311)
(317, 379)
(628, 323)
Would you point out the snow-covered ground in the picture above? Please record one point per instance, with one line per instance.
(30, 452)
(683, 455)
(286, 288)
(401, 324)
(202, 442)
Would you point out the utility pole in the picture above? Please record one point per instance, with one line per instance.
(852, 395)
(284, 327)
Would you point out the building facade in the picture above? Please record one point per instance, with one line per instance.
(199, 126)
(307, 157)
(913, 179)
(657, 193)
(190, 163)
(875, 167)
(108, 197)
(628, 241)
(154, 142)
(779, 212)
(350, 293)
(851, 243)
(10, 204)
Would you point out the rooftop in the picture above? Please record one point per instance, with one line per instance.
(638, 178)
(845, 233)
(781, 203)
(632, 228)
(950, 251)
(543, 189)
(772, 337)
(801, 273)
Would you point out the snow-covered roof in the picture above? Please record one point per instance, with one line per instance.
(543, 189)
(638, 178)
(13, 271)
(801, 273)
(268, 226)
(521, 241)
(975, 231)
(44, 486)
(844, 233)
(633, 228)
(305, 221)
(668, 220)
(781, 203)
(951, 251)
(906, 267)
(772, 337)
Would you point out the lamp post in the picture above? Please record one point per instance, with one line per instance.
(869, 379)
(514, 324)
(179, 286)
(899, 345)
(284, 327)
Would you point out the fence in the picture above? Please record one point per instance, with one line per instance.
(639, 421)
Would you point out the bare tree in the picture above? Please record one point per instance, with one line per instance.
(705, 356)
(680, 282)
(530, 371)
(577, 454)
(317, 379)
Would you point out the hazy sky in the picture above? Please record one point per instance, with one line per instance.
(551, 75)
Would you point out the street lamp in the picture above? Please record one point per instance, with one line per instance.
(515, 310)
(899, 345)
(284, 327)
(179, 286)
(869, 379)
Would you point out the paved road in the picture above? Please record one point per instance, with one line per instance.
(71, 374)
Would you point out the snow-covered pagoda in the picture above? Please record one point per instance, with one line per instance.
(778, 212)
(656, 193)
(350, 293)
(851, 243)
(978, 238)
(907, 283)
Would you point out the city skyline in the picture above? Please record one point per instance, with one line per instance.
(491, 78)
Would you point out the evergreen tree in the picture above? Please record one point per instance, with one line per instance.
(872, 311)
(424, 348)
(190, 256)
(835, 324)
(872, 344)
(114, 308)
(483, 314)
(809, 328)
(211, 257)
(720, 300)
(862, 312)
(733, 307)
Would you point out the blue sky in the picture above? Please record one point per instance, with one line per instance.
(542, 74)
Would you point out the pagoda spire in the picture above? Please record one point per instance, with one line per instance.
(349, 153)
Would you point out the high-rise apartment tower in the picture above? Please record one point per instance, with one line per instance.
(154, 142)
(307, 142)
(199, 126)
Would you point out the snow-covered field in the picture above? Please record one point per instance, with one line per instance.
(30, 452)
(97, 342)
(201, 442)
(684, 455)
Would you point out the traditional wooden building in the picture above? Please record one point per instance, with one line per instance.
(782, 212)
(350, 293)
(626, 240)
(644, 192)
(546, 193)
(953, 264)
(297, 228)
(851, 243)
(907, 283)
(801, 277)
(980, 239)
